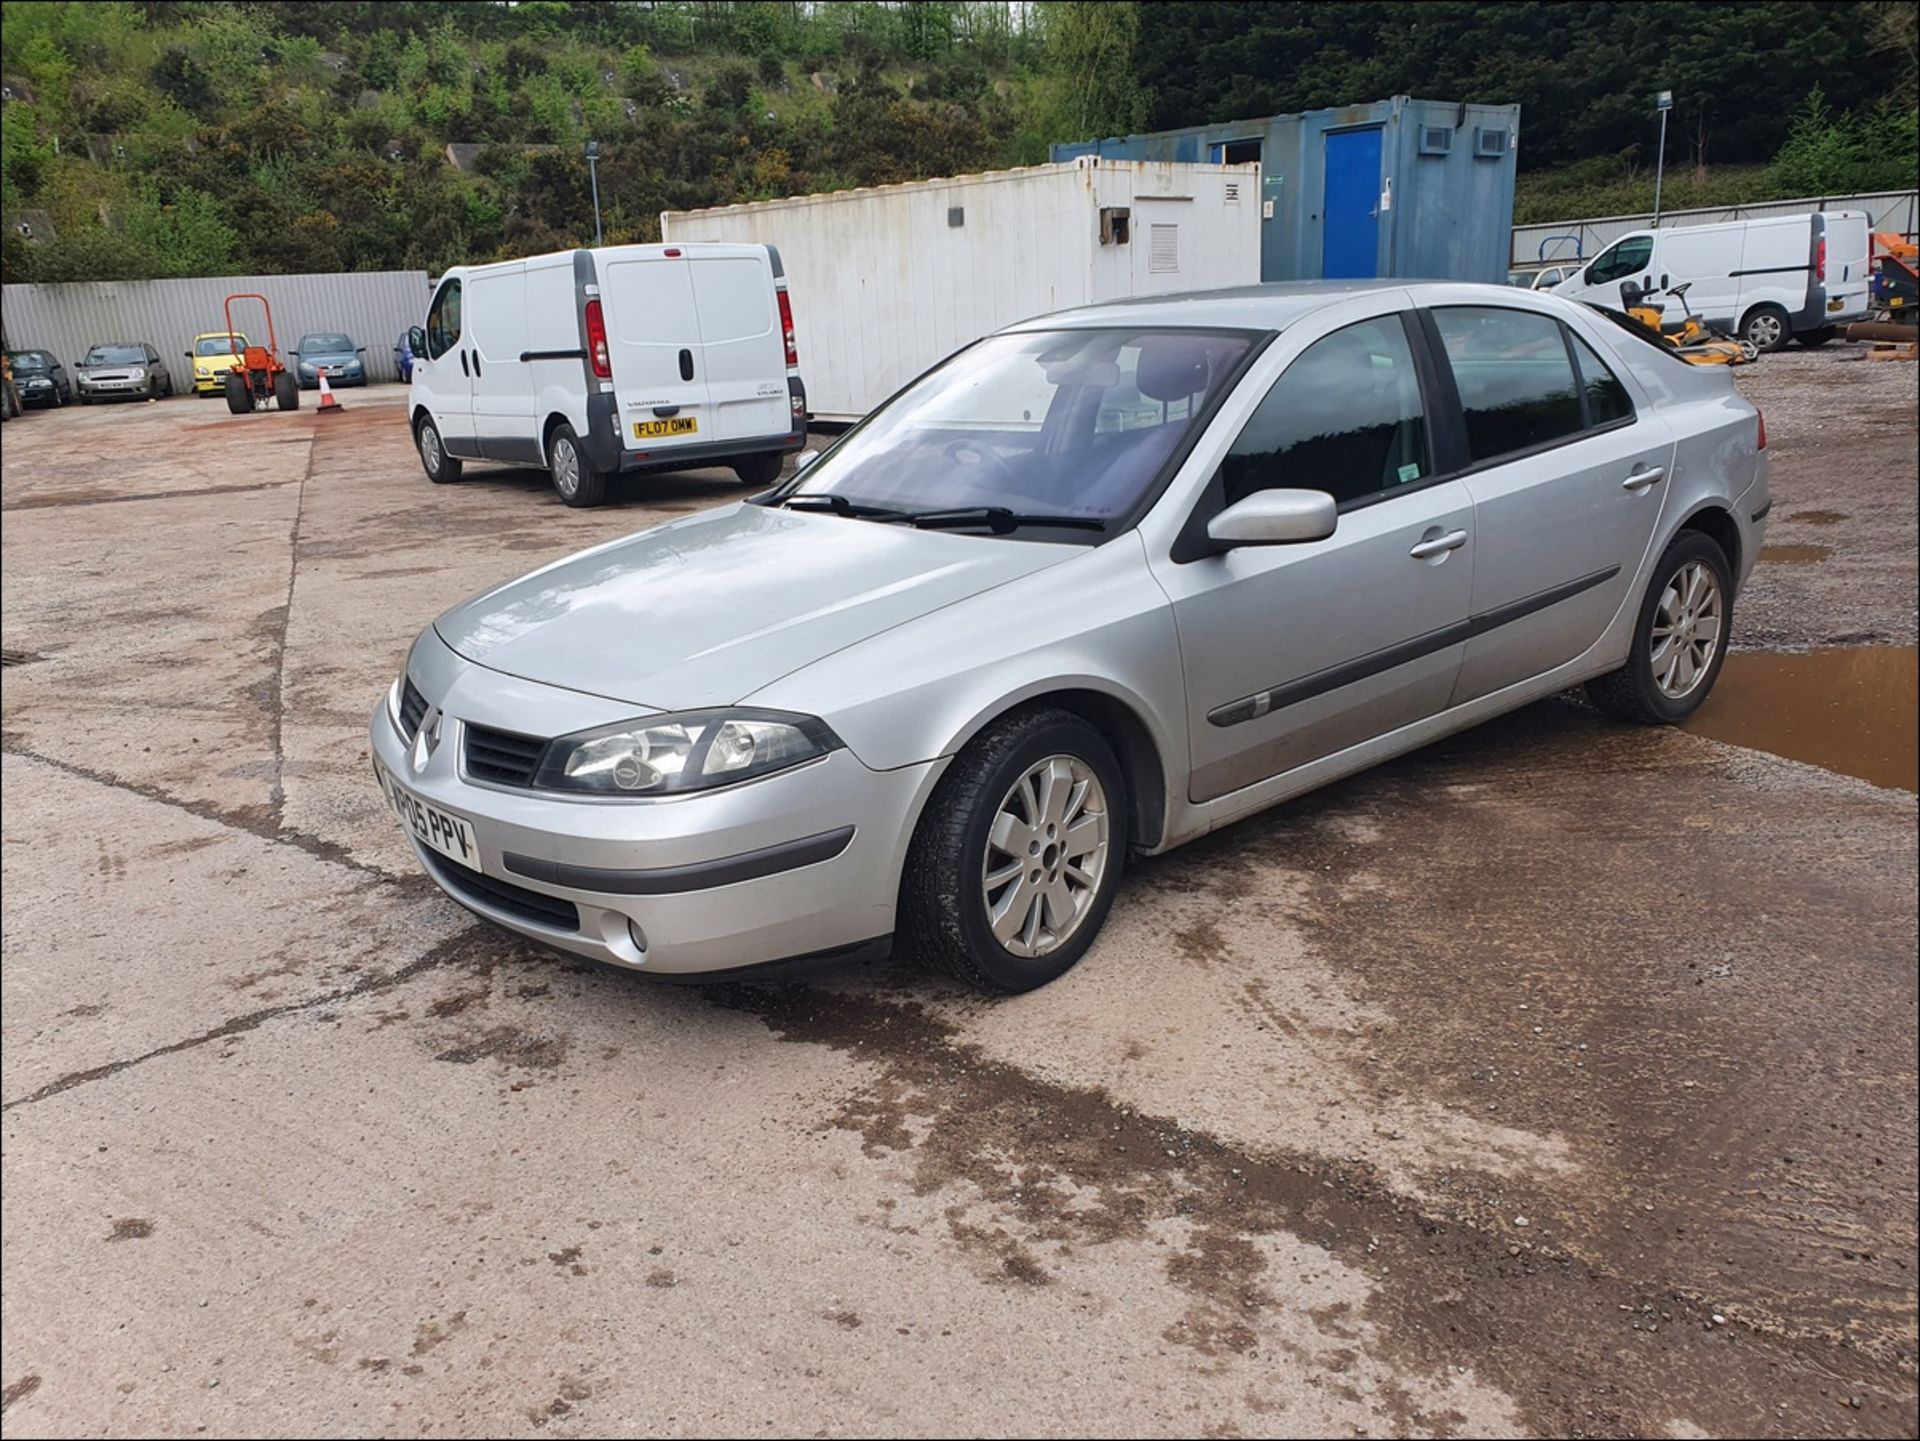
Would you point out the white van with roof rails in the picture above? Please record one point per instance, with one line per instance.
(1768, 281)
(594, 363)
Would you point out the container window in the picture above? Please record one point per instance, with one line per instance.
(1116, 225)
(1435, 140)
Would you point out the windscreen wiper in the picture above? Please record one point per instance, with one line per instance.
(997, 518)
(839, 505)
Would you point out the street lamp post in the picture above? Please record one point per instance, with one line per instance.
(593, 174)
(1663, 103)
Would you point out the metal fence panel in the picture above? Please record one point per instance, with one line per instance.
(1567, 239)
(374, 307)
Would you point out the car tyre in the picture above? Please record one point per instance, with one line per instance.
(1659, 685)
(759, 470)
(441, 468)
(574, 477)
(1766, 328)
(1038, 768)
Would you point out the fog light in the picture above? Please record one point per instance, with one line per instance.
(639, 936)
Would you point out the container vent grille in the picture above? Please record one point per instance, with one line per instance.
(1233, 192)
(1163, 254)
(1489, 143)
(1435, 140)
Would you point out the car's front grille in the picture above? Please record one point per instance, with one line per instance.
(482, 890)
(502, 757)
(413, 706)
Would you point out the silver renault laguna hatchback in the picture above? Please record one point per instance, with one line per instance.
(1099, 584)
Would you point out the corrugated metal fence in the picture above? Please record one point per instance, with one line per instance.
(371, 306)
(1583, 239)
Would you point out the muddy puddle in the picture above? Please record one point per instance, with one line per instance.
(1795, 554)
(1849, 709)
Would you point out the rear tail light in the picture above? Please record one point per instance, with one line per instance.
(1758, 415)
(786, 328)
(1820, 259)
(597, 341)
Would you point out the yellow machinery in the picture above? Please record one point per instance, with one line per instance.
(1692, 338)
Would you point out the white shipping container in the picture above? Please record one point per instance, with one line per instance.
(887, 281)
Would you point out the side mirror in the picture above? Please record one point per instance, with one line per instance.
(188, 354)
(1275, 517)
(359, 350)
(804, 459)
(417, 342)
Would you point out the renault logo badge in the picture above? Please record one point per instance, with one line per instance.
(426, 740)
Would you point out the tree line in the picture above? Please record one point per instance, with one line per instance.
(183, 138)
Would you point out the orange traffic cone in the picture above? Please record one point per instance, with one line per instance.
(328, 405)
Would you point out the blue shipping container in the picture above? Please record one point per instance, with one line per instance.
(1413, 189)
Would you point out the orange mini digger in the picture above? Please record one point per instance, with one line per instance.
(261, 377)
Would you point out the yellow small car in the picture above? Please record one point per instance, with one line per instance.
(213, 355)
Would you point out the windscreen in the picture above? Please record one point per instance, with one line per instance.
(116, 355)
(218, 344)
(31, 360)
(325, 344)
(1065, 422)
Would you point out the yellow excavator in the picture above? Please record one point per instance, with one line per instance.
(1690, 337)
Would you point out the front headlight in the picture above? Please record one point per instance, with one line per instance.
(673, 754)
(137, 373)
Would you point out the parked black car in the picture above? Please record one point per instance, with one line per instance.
(40, 378)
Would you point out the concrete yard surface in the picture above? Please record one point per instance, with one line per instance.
(1557, 1079)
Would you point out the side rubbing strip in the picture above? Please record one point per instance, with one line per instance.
(1364, 667)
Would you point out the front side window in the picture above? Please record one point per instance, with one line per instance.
(1060, 422)
(1517, 387)
(1627, 257)
(1607, 399)
(1345, 417)
(443, 321)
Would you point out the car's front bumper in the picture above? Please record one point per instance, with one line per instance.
(114, 387)
(744, 876)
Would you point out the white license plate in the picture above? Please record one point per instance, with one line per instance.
(434, 828)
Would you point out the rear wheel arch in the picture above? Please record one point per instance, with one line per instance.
(555, 419)
(1718, 525)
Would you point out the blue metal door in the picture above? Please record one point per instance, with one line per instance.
(1350, 230)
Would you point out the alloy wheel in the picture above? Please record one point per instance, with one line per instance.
(1046, 853)
(1686, 630)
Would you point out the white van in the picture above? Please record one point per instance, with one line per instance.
(1789, 276)
(589, 363)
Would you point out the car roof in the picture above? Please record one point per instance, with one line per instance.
(1244, 307)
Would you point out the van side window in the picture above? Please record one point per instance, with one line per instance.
(1607, 399)
(443, 321)
(1516, 382)
(1345, 417)
(1627, 257)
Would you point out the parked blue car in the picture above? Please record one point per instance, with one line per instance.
(333, 355)
(403, 358)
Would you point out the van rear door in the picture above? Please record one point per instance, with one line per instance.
(1849, 266)
(744, 353)
(653, 345)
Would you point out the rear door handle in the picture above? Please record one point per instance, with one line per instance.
(1439, 545)
(476, 362)
(1641, 479)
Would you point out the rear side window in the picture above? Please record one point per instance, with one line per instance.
(1345, 418)
(1516, 382)
(1607, 399)
(443, 321)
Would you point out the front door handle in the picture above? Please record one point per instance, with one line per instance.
(476, 362)
(1641, 480)
(1439, 545)
(463, 364)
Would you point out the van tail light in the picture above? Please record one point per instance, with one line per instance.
(1820, 259)
(597, 341)
(786, 328)
(1758, 415)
